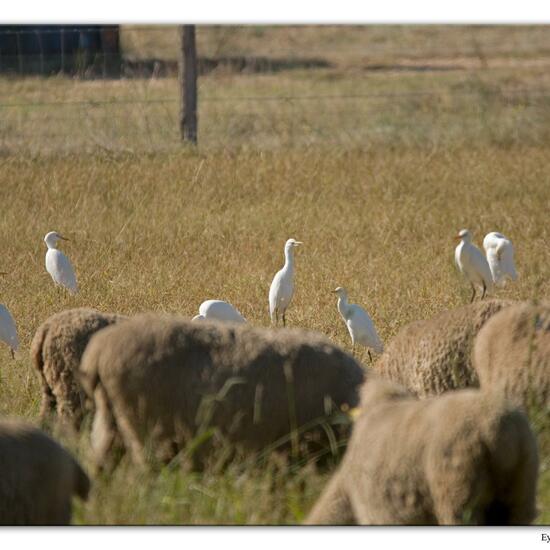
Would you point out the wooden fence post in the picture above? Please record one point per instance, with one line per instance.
(188, 84)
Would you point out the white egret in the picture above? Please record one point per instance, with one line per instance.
(473, 264)
(282, 286)
(8, 332)
(58, 265)
(500, 256)
(220, 311)
(360, 325)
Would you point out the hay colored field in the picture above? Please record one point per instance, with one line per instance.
(374, 176)
(164, 232)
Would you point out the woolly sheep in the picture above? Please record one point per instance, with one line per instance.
(460, 458)
(512, 354)
(56, 349)
(39, 477)
(433, 356)
(162, 379)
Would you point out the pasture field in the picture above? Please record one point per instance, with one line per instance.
(161, 227)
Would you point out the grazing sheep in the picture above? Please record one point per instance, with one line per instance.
(56, 349)
(512, 354)
(162, 380)
(461, 458)
(433, 356)
(39, 477)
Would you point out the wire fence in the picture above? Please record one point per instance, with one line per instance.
(94, 95)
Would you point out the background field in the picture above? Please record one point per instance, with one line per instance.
(376, 188)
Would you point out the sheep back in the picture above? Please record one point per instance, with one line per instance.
(39, 477)
(512, 355)
(56, 350)
(433, 356)
(463, 457)
(168, 379)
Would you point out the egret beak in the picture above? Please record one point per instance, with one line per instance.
(457, 237)
(334, 291)
(296, 243)
(63, 238)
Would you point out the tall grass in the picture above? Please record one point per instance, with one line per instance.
(375, 176)
(164, 232)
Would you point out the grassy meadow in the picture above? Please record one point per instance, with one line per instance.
(376, 190)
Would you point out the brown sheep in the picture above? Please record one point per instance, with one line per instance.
(512, 354)
(433, 356)
(162, 380)
(39, 477)
(56, 349)
(460, 458)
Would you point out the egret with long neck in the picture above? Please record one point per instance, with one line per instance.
(282, 286)
(58, 265)
(359, 324)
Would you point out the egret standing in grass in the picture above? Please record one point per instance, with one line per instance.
(500, 256)
(473, 264)
(218, 310)
(8, 332)
(58, 265)
(282, 286)
(360, 325)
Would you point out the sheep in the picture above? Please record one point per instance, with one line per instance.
(56, 350)
(512, 354)
(39, 477)
(461, 458)
(433, 356)
(165, 380)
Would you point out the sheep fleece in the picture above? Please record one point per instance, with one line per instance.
(162, 377)
(512, 354)
(432, 356)
(56, 349)
(38, 478)
(463, 457)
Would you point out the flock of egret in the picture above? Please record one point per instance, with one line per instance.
(485, 271)
(481, 271)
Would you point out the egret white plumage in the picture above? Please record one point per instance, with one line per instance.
(500, 256)
(8, 332)
(58, 265)
(473, 264)
(220, 311)
(360, 325)
(282, 286)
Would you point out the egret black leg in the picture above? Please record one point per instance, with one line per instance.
(484, 290)
(473, 293)
(284, 319)
(276, 317)
(12, 353)
(370, 356)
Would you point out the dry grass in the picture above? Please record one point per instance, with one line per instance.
(349, 45)
(373, 93)
(376, 188)
(164, 232)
